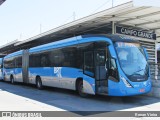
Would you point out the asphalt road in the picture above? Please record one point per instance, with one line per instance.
(21, 97)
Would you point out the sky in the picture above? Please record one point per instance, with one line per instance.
(22, 19)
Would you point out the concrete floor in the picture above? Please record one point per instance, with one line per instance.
(21, 97)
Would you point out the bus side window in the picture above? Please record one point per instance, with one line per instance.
(44, 61)
(19, 62)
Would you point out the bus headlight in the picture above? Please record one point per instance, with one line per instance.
(127, 84)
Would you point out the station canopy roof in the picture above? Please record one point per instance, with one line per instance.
(2, 1)
(140, 17)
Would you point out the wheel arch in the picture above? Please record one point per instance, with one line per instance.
(36, 78)
(11, 76)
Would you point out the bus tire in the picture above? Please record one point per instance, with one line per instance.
(39, 83)
(80, 89)
(12, 79)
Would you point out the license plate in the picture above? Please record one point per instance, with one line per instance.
(142, 90)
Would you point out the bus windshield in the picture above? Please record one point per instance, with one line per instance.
(132, 60)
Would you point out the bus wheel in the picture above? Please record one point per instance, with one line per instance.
(80, 89)
(39, 83)
(12, 79)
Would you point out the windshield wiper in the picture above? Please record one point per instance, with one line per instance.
(136, 72)
(139, 70)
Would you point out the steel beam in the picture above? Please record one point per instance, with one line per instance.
(139, 17)
(145, 23)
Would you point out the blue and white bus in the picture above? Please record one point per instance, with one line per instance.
(91, 64)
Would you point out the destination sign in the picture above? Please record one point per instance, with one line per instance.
(123, 44)
(136, 33)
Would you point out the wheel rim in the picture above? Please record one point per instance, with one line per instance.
(12, 81)
(38, 84)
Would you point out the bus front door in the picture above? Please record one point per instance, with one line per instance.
(88, 70)
(101, 71)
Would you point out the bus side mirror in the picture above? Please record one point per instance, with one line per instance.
(146, 54)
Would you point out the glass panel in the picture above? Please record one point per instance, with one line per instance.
(88, 64)
(19, 62)
(9, 63)
(132, 60)
(113, 69)
(100, 58)
(101, 72)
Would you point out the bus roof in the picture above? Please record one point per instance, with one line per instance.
(14, 54)
(69, 41)
(82, 39)
(76, 40)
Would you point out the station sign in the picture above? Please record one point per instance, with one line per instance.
(135, 33)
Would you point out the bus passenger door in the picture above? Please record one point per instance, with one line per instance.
(25, 64)
(88, 70)
(101, 71)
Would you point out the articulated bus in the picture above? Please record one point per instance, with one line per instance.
(111, 65)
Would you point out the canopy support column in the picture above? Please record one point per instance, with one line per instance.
(113, 27)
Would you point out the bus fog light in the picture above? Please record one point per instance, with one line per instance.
(127, 84)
